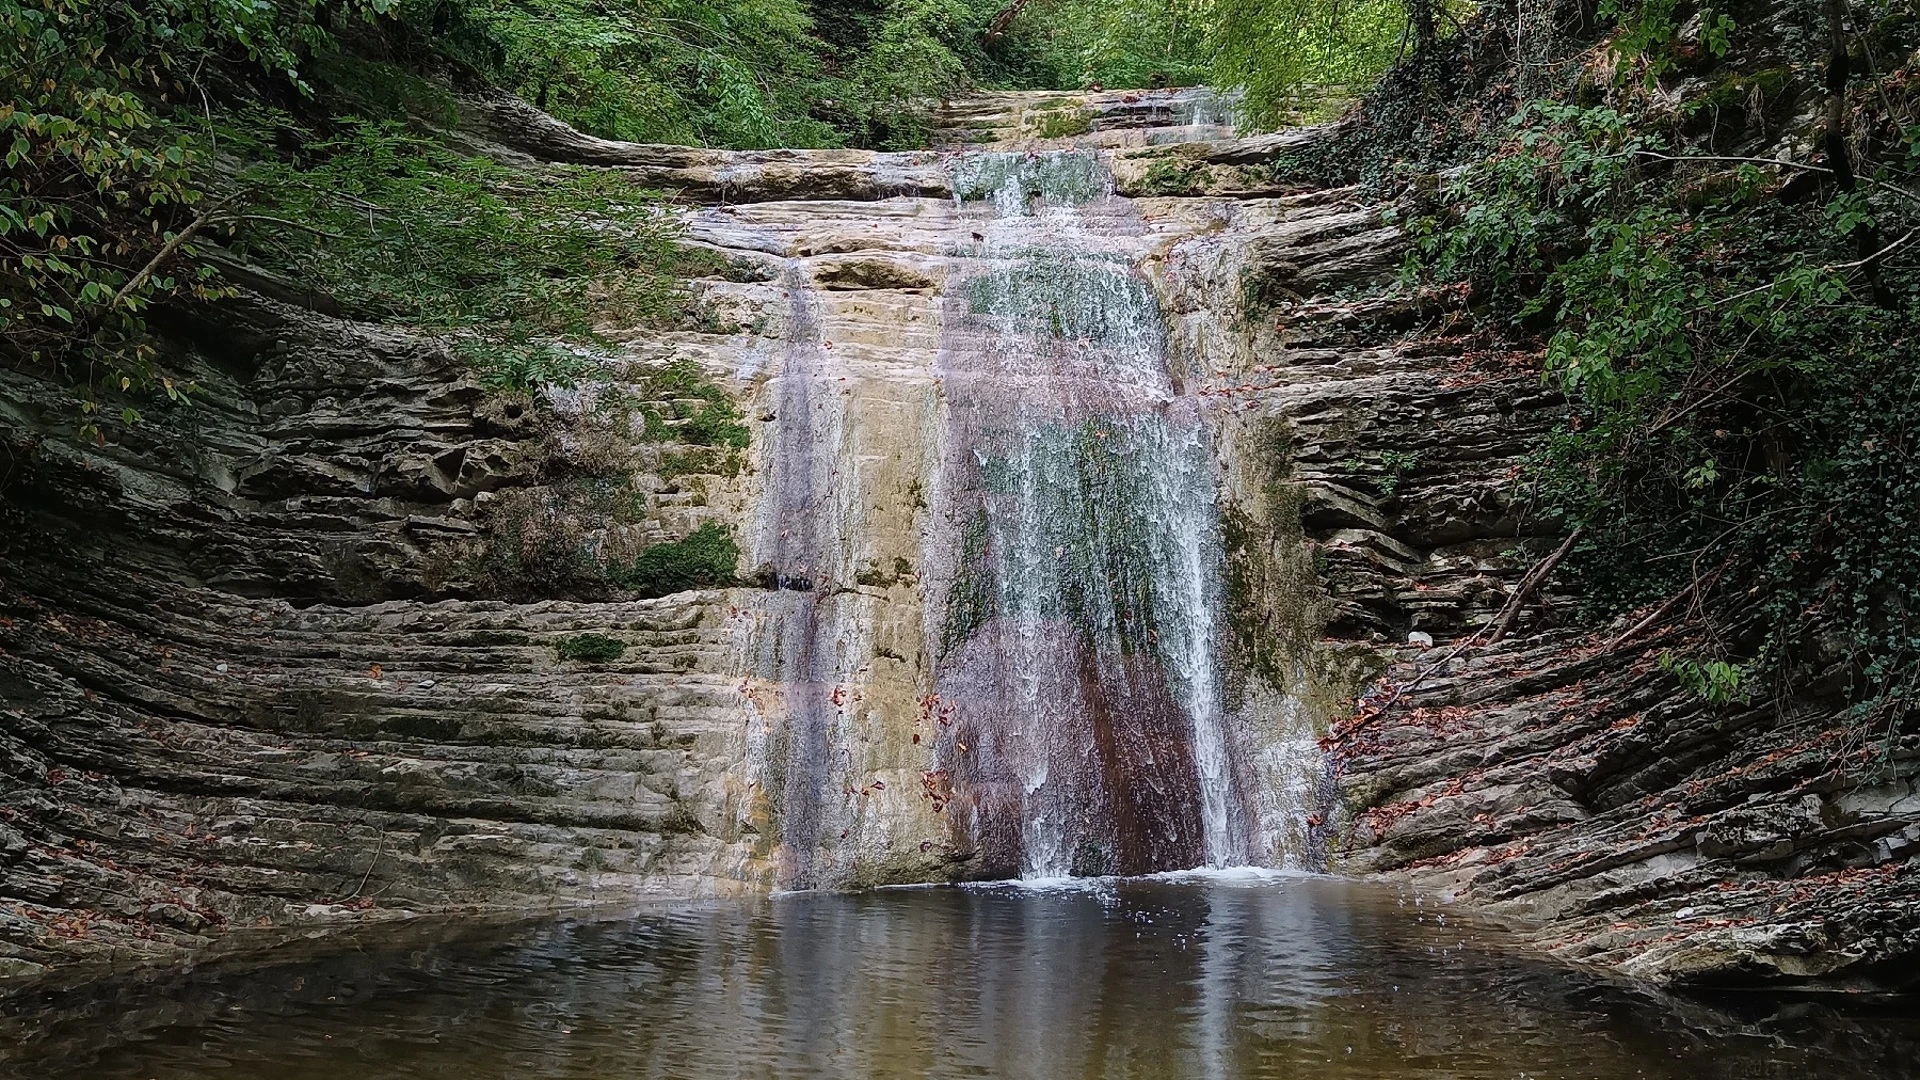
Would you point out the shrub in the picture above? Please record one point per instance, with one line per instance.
(717, 421)
(591, 648)
(1742, 390)
(517, 271)
(705, 559)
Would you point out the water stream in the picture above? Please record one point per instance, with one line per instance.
(793, 547)
(996, 448)
(1078, 599)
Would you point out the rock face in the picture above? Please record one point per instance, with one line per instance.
(237, 694)
(311, 650)
(1573, 787)
(321, 649)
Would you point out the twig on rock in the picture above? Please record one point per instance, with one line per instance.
(1501, 624)
(1534, 579)
(378, 849)
(1654, 616)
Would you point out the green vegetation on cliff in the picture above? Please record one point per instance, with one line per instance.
(709, 557)
(591, 648)
(163, 152)
(517, 270)
(1726, 293)
(167, 151)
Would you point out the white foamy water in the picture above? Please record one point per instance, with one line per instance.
(1080, 636)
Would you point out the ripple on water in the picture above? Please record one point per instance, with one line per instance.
(1213, 974)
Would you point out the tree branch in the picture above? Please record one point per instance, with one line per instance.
(166, 251)
(1534, 579)
(998, 27)
(1527, 584)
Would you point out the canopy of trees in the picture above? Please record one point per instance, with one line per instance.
(140, 131)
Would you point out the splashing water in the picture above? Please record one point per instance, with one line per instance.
(1076, 648)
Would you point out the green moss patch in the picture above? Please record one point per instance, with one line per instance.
(591, 648)
(706, 559)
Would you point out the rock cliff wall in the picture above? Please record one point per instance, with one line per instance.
(304, 653)
(296, 656)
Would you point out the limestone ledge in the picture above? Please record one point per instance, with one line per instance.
(1577, 790)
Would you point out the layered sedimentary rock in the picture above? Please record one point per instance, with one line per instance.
(1083, 491)
(1561, 777)
(311, 649)
(1572, 786)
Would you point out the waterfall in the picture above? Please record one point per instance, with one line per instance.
(793, 539)
(991, 635)
(1075, 618)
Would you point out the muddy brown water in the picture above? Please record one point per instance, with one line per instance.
(1246, 977)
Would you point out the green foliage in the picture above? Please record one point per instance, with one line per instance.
(1713, 681)
(518, 363)
(708, 558)
(518, 269)
(711, 72)
(913, 60)
(1117, 43)
(1064, 123)
(1270, 49)
(1648, 30)
(1744, 399)
(591, 648)
(714, 419)
(1396, 465)
(742, 73)
(105, 204)
(98, 189)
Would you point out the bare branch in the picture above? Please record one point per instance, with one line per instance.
(166, 251)
(998, 27)
(1534, 579)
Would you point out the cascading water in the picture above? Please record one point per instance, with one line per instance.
(987, 519)
(1076, 618)
(791, 542)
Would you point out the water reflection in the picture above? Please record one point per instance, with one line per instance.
(1248, 979)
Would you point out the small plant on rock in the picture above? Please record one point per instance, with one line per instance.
(707, 558)
(591, 648)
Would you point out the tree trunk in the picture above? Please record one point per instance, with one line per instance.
(1420, 13)
(1866, 235)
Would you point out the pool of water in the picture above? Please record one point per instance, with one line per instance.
(1242, 978)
